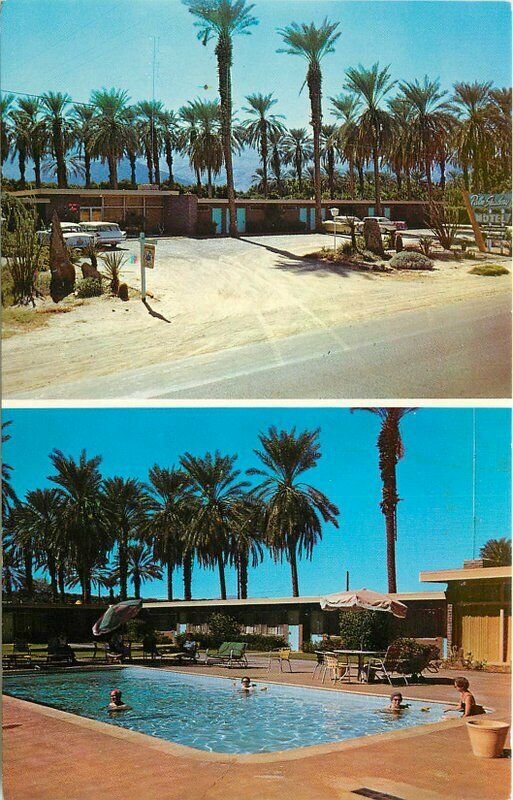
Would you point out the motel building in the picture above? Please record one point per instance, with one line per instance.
(164, 212)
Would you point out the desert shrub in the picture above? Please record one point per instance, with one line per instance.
(113, 265)
(444, 222)
(489, 269)
(426, 245)
(408, 260)
(254, 641)
(414, 654)
(347, 249)
(24, 250)
(88, 287)
(365, 630)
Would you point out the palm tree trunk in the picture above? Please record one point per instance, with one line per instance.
(351, 179)
(187, 576)
(429, 181)
(61, 582)
(222, 579)
(137, 584)
(169, 161)
(149, 163)
(37, 167)
(331, 173)
(361, 179)
(442, 174)
(133, 164)
(264, 156)
(58, 146)
(390, 525)
(466, 181)
(408, 184)
(377, 181)
(27, 564)
(299, 171)
(224, 63)
(314, 80)
(399, 180)
(170, 566)
(52, 569)
(22, 158)
(210, 191)
(87, 167)
(293, 570)
(123, 565)
(242, 577)
(113, 171)
(156, 164)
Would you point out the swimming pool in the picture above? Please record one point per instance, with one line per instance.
(208, 713)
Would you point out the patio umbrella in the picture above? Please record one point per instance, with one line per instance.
(360, 599)
(116, 615)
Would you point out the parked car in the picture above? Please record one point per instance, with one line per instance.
(342, 224)
(386, 225)
(108, 233)
(72, 233)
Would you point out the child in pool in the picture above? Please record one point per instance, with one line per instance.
(116, 703)
(468, 705)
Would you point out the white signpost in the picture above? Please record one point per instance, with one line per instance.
(148, 255)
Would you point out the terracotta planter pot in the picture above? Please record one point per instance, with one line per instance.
(487, 737)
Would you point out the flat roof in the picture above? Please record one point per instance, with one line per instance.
(207, 201)
(477, 573)
(93, 192)
(275, 601)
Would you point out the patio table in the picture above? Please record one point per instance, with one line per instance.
(361, 654)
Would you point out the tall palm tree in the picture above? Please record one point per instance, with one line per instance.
(171, 510)
(329, 154)
(391, 450)
(260, 127)
(298, 151)
(6, 101)
(111, 129)
(56, 106)
(84, 118)
(83, 523)
(126, 505)
(313, 43)
(293, 509)
(222, 20)
(277, 156)
(371, 86)
(500, 119)
(150, 120)
(20, 141)
(345, 108)
(428, 123)
(400, 156)
(217, 494)
(170, 126)
(132, 143)
(246, 541)
(498, 551)
(9, 497)
(202, 143)
(12, 568)
(32, 136)
(473, 141)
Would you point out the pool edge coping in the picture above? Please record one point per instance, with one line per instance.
(294, 754)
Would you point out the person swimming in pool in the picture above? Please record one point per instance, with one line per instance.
(246, 686)
(396, 704)
(116, 703)
(468, 706)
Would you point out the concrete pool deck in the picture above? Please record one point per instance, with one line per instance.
(49, 755)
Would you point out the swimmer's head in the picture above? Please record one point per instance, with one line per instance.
(115, 694)
(245, 681)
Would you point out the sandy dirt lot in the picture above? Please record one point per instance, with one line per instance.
(209, 295)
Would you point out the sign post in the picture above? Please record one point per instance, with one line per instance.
(143, 270)
(148, 253)
(491, 210)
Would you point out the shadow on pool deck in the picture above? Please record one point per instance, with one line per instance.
(47, 758)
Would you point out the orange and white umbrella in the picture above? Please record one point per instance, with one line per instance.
(363, 599)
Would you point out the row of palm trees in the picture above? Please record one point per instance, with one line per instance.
(89, 529)
(417, 129)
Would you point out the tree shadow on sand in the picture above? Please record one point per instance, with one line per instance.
(153, 313)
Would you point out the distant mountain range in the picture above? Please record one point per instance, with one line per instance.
(244, 168)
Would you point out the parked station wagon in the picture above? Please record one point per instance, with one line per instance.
(108, 233)
(73, 235)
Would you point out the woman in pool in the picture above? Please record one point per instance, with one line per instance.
(468, 705)
(246, 686)
(116, 703)
(396, 703)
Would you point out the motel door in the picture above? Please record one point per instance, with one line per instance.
(218, 218)
(386, 212)
(90, 214)
(307, 215)
(241, 220)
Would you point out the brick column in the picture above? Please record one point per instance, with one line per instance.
(180, 214)
(449, 627)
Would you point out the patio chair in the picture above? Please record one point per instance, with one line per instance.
(340, 668)
(393, 662)
(283, 657)
(228, 654)
(60, 654)
(319, 654)
(21, 653)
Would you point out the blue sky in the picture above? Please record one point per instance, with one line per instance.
(79, 45)
(435, 480)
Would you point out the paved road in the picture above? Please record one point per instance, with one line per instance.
(461, 351)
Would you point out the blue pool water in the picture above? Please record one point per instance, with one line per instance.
(209, 713)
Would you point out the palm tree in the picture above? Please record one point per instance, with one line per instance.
(261, 127)
(37, 524)
(202, 143)
(84, 117)
(12, 567)
(371, 86)
(472, 139)
(150, 117)
(329, 154)
(222, 20)
(126, 505)
(171, 138)
(500, 119)
(293, 509)
(277, 156)
(345, 108)
(298, 150)
(246, 541)
(55, 107)
(111, 129)
(132, 144)
(20, 141)
(141, 566)
(313, 43)
(217, 493)
(83, 523)
(6, 101)
(400, 156)
(391, 450)
(30, 135)
(9, 497)
(498, 551)
(171, 510)
(428, 122)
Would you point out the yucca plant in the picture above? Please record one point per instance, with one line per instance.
(113, 264)
(23, 261)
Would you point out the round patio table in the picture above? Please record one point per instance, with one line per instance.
(361, 654)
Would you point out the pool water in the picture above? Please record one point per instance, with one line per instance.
(209, 713)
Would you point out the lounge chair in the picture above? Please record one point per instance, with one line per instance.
(228, 654)
(60, 654)
(393, 662)
(21, 653)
